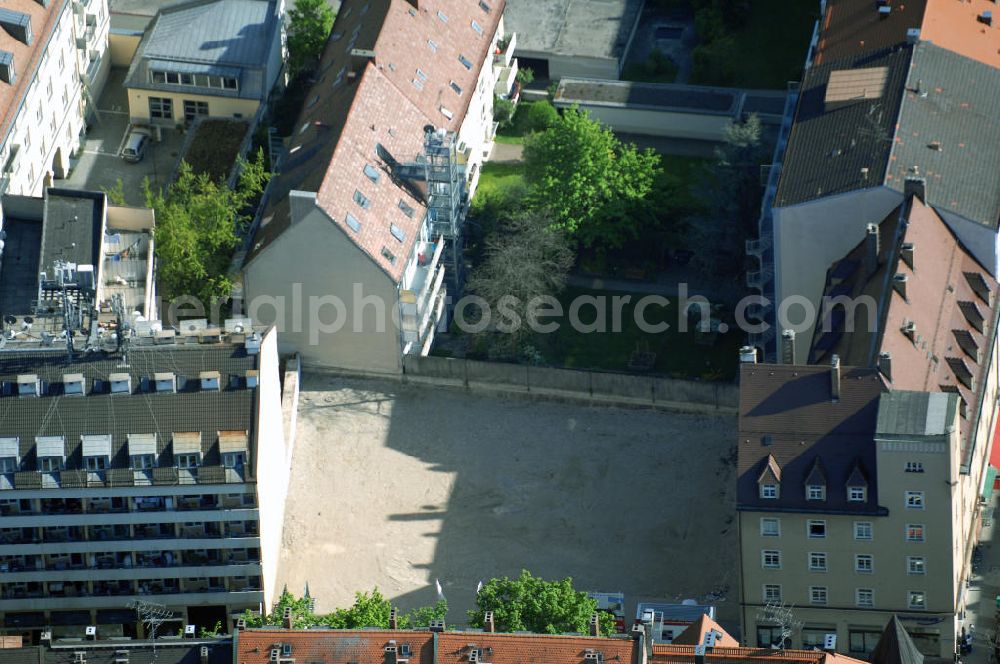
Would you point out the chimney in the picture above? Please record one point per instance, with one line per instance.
(906, 253)
(7, 74)
(748, 355)
(286, 618)
(915, 187)
(788, 346)
(436, 626)
(899, 283)
(835, 377)
(595, 625)
(393, 618)
(871, 249)
(885, 365)
(910, 330)
(241, 624)
(912, 35)
(639, 635)
(488, 624)
(699, 654)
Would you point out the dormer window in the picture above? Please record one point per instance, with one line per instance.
(96, 452)
(51, 453)
(165, 382)
(857, 486)
(233, 448)
(769, 480)
(769, 491)
(121, 383)
(29, 385)
(209, 380)
(143, 461)
(816, 492)
(857, 494)
(9, 455)
(74, 384)
(188, 460)
(187, 449)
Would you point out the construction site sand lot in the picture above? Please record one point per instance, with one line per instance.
(396, 485)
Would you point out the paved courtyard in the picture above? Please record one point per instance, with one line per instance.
(396, 485)
(99, 167)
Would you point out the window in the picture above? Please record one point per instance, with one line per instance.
(467, 63)
(161, 108)
(234, 459)
(49, 464)
(173, 77)
(417, 84)
(816, 492)
(407, 210)
(353, 222)
(362, 200)
(397, 232)
(864, 563)
(769, 491)
(187, 79)
(485, 7)
(856, 494)
(772, 592)
(770, 527)
(230, 83)
(817, 562)
(143, 461)
(769, 636)
(431, 44)
(97, 463)
(187, 460)
(770, 559)
(388, 255)
(38, 115)
(8, 465)
(914, 467)
(862, 530)
(193, 109)
(915, 500)
(916, 599)
(816, 529)
(421, 75)
(914, 532)
(864, 597)
(915, 565)
(442, 16)
(817, 594)
(447, 113)
(478, 28)
(372, 173)
(456, 87)
(862, 641)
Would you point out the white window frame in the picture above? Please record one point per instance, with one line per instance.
(809, 525)
(859, 526)
(815, 492)
(914, 526)
(50, 464)
(916, 565)
(8, 465)
(860, 566)
(914, 594)
(191, 460)
(766, 556)
(769, 491)
(770, 521)
(914, 500)
(817, 561)
(857, 494)
(914, 466)
(96, 463)
(771, 596)
(860, 593)
(819, 595)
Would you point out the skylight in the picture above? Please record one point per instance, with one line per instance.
(372, 172)
(456, 87)
(388, 255)
(432, 45)
(417, 84)
(336, 36)
(407, 210)
(397, 232)
(421, 75)
(364, 10)
(447, 113)
(485, 7)
(362, 200)
(442, 16)
(465, 61)
(353, 222)
(478, 28)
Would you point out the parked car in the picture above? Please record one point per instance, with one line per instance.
(136, 145)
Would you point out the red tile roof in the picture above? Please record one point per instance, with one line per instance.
(454, 647)
(668, 653)
(695, 633)
(253, 646)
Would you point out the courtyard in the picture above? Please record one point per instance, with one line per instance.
(395, 486)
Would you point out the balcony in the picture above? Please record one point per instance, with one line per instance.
(188, 503)
(757, 247)
(150, 504)
(155, 531)
(421, 301)
(119, 532)
(62, 534)
(506, 78)
(113, 588)
(68, 589)
(504, 54)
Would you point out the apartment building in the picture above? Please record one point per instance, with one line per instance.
(362, 236)
(52, 70)
(891, 91)
(854, 506)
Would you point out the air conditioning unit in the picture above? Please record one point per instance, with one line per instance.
(274, 655)
(91, 631)
(189, 630)
(830, 642)
(80, 657)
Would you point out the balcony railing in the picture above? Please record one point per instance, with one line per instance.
(506, 54)
(505, 81)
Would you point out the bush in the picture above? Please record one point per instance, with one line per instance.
(714, 62)
(525, 76)
(503, 111)
(541, 116)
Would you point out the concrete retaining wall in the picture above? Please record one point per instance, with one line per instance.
(596, 386)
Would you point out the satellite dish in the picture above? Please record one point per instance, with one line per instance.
(29, 320)
(9, 320)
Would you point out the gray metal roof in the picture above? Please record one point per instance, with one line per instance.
(949, 132)
(143, 411)
(210, 36)
(902, 413)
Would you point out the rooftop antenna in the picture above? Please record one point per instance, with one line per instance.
(152, 615)
(124, 326)
(777, 613)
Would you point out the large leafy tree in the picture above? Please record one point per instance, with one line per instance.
(198, 224)
(368, 610)
(529, 603)
(309, 25)
(592, 182)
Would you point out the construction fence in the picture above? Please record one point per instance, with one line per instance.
(597, 386)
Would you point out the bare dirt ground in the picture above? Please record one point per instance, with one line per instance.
(394, 486)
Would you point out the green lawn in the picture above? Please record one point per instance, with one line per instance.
(518, 128)
(496, 177)
(679, 354)
(658, 68)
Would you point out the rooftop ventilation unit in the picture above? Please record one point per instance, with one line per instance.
(17, 24)
(165, 381)
(884, 11)
(193, 326)
(29, 385)
(238, 325)
(121, 383)
(252, 378)
(74, 383)
(913, 35)
(253, 344)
